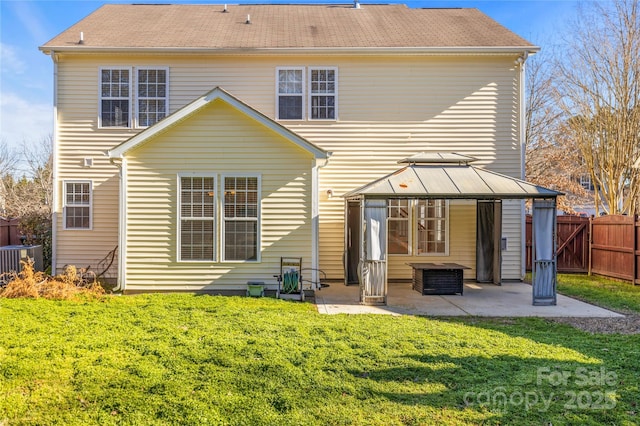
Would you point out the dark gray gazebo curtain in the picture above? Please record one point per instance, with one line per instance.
(544, 252)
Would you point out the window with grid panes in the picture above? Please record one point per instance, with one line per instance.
(240, 218)
(152, 96)
(322, 88)
(398, 226)
(197, 218)
(115, 97)
(77, 205)
(431, 226)
(290, 93)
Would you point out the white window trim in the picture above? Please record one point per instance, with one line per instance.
(258, 219)
(65, 205)
(447, 231)
(335, 94)
(179, 216)
(302, 95)
(100, 99)
(137, 96)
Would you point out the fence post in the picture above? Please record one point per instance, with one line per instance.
(590, 254)
(636, 250)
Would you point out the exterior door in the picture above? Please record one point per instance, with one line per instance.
(352, 242)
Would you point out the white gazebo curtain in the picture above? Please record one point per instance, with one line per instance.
(373, 265)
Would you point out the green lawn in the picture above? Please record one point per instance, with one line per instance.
(184, 359)
(617, 295)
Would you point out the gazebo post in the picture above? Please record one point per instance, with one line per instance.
(544, 251)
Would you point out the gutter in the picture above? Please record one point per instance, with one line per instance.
(122, 230)
(334, 51)
(54, 169)
(522, 61)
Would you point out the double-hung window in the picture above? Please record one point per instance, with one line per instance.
(431, 224)
(418, 227)
(399, 227)
(313, 99)
(290, 93)
(197, 218)
(152, 96)
(240, 221)
(322, 96)
(77, 204)
(115, 97)
(125, 90)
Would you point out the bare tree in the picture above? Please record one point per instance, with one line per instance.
(39, 160)
(598, 89)
(8, 163)
(552, 159)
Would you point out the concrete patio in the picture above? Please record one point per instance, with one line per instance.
(512, 299)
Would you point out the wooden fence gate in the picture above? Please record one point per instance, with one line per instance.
(573, 244)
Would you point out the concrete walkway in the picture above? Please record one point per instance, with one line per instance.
(507, 300)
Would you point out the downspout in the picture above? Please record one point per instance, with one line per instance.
(122, 229)
(522, 60)
(315, 221)
(54, 168)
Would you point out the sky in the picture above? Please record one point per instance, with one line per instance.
(26, 74)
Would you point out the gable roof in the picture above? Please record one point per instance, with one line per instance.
(448, 181)
(190, 109)
(208, 27)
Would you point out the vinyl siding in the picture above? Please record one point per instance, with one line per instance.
(462, 243)
(389, 108)
(217, 139)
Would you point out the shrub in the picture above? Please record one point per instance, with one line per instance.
(71, 284)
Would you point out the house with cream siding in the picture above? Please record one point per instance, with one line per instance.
(203, 143)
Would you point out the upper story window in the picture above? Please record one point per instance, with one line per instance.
(299, 99)
(290, 93)
(133, 97)
(115, 97)
(152, 96)
(323, 93)
(77, 204)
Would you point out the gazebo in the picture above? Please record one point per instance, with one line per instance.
(448, 176)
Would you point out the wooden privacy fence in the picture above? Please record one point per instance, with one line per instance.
(572, 244)
(9, 234)
(614, 250)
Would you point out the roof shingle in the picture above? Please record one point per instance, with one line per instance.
(167, 26)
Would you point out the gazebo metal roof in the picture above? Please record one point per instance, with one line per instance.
(449, 177)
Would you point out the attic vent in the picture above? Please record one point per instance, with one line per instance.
(87, 162)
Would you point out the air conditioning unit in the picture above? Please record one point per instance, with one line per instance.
(10, 257)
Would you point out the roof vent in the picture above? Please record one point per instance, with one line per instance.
(225, 10)
(356, 4)
(81, 38)
(248, 21)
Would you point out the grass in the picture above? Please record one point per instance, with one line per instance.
(617, 295)
(184, 359)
